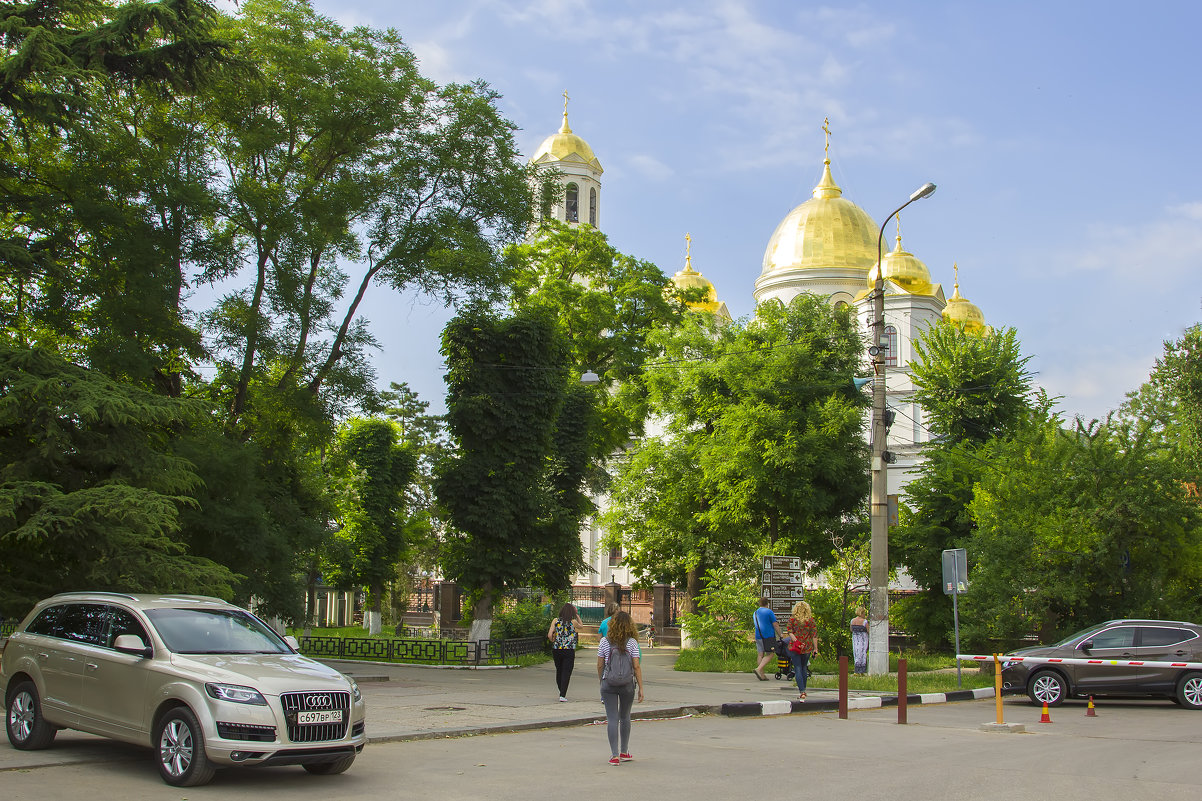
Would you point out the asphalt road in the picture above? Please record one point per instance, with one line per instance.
(1130, 750)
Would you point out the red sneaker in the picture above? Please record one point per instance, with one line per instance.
(614, 760)
(626, 757)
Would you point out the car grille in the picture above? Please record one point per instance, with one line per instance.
(245, 731)
(316, 701)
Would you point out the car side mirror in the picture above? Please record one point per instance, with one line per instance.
(292, 642)
(1086, 645)
(131, 644)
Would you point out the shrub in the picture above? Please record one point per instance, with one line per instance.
(528, 618)
(724, 619)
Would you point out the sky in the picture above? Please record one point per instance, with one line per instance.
(1063, 137)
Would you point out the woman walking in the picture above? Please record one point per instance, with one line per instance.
(621, 675)
(564, 637)
(802, 633)
(859, 640)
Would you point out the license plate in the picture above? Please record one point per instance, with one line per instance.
(334, 716)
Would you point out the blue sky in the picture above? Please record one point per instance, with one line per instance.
(1063, 138)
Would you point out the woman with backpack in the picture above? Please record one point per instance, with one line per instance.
(621, 676)
(564, 637)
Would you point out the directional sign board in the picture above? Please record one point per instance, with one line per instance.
(781, 583)
(955, 571)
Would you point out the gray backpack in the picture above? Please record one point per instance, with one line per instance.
(619, 671)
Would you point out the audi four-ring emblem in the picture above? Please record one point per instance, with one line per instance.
(318, 702)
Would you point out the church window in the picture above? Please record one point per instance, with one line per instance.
(889, 345)
(615, 556)
(572, 203)
(592, 207)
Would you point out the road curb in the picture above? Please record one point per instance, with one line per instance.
(783, 707)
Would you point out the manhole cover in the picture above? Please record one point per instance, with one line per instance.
(445, 708)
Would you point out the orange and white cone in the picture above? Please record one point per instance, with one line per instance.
(1045, 718)
(1089, 713)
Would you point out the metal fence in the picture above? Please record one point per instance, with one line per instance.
(439, 652)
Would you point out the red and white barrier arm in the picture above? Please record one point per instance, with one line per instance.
(1051, 660)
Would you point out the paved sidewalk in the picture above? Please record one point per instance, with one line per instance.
(410, 702)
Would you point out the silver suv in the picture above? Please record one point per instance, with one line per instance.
(203, 682)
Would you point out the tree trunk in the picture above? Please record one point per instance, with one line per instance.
(373, 617)
(482, 616)
(692, 590)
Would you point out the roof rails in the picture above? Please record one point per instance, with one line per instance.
(112, 594)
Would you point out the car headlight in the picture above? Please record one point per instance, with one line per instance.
(355, 694)
(235, 693)
(1009, 663)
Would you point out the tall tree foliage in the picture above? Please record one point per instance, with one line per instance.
(374, 472)
(972, 388)
(766, 415)
(507, 384)
(1077, 525)
(90, 497)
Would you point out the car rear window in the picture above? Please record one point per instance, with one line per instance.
(85, 623)
(1160, 635)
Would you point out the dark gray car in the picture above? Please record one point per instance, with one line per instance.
(1121, 641)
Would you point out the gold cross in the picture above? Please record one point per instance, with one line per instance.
(826, 126)
(688, 251)
(565, 102)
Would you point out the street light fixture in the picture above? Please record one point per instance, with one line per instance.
(878, 578)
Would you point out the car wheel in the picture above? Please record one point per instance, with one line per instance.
(330, 768)
(27, 729)
(1047, 687)
(179, 741)
(1189, 691)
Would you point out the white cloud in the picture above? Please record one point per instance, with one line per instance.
(649, 167)
(1095, 383)
(1159, 251)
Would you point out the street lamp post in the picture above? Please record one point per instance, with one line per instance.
(878, 579)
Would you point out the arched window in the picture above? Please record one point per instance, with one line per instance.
(592, 207)
(889, 343)
(572, 203)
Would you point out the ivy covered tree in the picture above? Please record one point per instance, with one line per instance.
(373, 473)
(507, 383)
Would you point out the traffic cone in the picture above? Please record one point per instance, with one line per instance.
(1045, 717)
(1089, 713)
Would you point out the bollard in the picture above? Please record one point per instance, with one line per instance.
(901, 690)
(843, 688)
(997, 685)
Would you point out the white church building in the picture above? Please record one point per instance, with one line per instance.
(825, 246)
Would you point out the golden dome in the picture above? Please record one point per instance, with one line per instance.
(826, 231)
(903, 269)
(566, 146)
(963, 313)
(688, 278)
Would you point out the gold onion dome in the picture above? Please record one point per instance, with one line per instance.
(962, 312)
(688, 278)
(827, 230)
(566, 146)
(905, 270)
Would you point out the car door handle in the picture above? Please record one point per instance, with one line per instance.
(91, 665)
(43, 655)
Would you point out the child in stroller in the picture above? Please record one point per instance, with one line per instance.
(784, 665)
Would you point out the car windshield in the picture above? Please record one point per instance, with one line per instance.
(215, 631)
(1072, 638)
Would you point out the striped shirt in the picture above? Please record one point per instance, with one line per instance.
(632, 648)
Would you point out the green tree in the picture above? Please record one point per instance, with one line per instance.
(607, 304)
(506, 385)
(89, 494)
(972, 388)
(374, 472)
(766, 417)
(1078, 525)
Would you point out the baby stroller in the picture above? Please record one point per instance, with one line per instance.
(784, 665)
